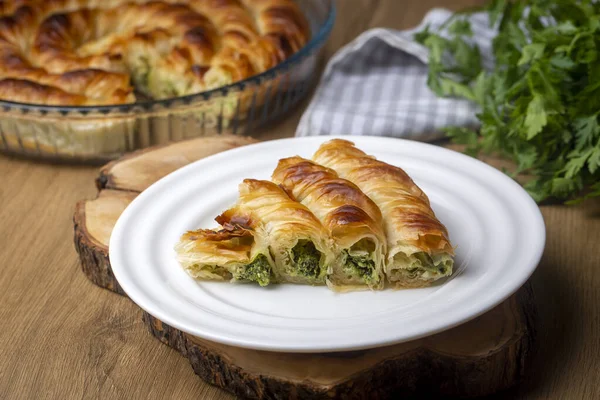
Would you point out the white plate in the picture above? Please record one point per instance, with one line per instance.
(497, 228)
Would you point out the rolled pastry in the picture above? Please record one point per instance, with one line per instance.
(419, 250)
(295, 238)
(352, 220)
(227, 254)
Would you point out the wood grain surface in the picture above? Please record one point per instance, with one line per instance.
(66, 338)
(483, 356)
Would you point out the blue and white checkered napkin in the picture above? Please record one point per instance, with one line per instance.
(377, 85)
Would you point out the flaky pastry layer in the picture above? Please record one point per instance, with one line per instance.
(92, 52)
(419, 249)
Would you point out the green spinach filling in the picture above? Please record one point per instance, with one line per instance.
(424, 264)
(428, 264)
(306, 258)
(140, 74)
(362, 266)
(259, 270)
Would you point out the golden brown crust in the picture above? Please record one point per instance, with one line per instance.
(351, 218)
(24, 91)
(279, 223)
(168, 48)
(265, 205)
(209, 254)
(406, 209)
(222, 236)
(340, 205)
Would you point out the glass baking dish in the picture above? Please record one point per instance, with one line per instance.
(101, 133)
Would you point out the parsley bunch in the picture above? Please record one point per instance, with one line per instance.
(540, 103)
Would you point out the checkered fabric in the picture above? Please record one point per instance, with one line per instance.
(377, 85)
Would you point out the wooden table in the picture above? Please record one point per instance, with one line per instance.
(66, 338)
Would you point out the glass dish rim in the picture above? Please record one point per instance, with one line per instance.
(313, 44)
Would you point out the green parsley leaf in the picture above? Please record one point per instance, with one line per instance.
(531, 52)
(587, 129)
(453, 88)
(583, 48)
(436, 45)
(576, 162)
(594, 160)
(464, 136)
(496, 11)
(536, 117)
(541, 101)
(420, 37)
(561, 187)
(461, 27)
(526, 158)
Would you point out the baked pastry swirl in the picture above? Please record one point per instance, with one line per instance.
(93, 52)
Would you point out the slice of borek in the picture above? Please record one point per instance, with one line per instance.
(419, 249)
(227, 254)
(352, 220)
(297, 242)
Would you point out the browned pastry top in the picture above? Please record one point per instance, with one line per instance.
(94, 52)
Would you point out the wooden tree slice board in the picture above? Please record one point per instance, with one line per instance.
(483, 356)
